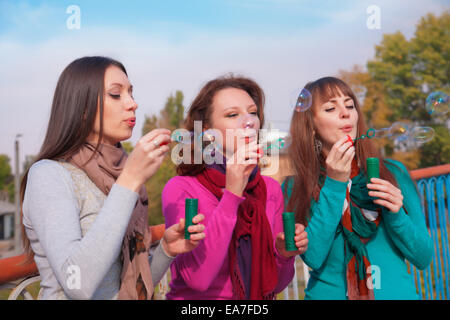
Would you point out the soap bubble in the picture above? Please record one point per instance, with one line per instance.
(422, 134)
(437, 103)
(382, 133)
(211, 135)
(399, 131)
(280, 143)
(182, 136)
(301, 101)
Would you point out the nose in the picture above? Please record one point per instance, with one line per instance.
(345, 113)
(248, 121)
(249, 124)
(132, 104)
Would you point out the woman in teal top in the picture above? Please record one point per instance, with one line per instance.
(360, 235)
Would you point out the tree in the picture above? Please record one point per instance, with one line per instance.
(438, 149)
(393, 67)
(398, 80)
(430, 52)
(6, 178)
(171, 117)
(410, 70)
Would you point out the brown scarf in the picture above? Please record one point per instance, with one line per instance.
(103, 170)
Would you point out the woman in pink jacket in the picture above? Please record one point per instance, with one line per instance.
(243, 254)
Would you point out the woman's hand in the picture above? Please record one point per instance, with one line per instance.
(240, 166)
(173, 240)
(301, 241)
(145, 159)
(339, 160)
(389, 196)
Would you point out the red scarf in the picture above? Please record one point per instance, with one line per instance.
(251, 221)
(357, 288)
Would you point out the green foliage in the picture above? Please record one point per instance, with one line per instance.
(6, 178)
(399, 79)
(437, 151)
(171, 117)
(5, 171)
(393, 66)
(154, 186)
(127, 146)
(430, 51)
(410, 70)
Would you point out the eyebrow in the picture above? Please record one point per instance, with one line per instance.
(236, 107)
(334, 100)
(120, 85)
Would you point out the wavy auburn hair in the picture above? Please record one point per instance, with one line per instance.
(202, 108)
(306, 163)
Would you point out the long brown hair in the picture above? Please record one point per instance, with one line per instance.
(305, 162)
(201, 110)
(78, 94)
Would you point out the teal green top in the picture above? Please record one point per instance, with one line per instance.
(400, 237)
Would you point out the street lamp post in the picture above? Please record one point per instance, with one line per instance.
(17, 224)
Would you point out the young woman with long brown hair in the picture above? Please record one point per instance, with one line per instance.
(360, 233)
(84, 203)
(243, 255)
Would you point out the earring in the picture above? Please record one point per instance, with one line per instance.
(317, 146)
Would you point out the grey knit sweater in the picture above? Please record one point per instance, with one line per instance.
(76, 232)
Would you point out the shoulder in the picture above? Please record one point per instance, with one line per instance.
(397, 168)
(273, 187)
(185, 185)
(47, 181)
(180, 182)
(395, 165)
(46, 169)
(47, 176)
(271, 183)
(287, 185)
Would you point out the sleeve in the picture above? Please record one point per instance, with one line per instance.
(201, 266)
(407, 229)
(53, 211)
(285, 265)
(325, 217)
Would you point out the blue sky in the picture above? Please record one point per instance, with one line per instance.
(179, 45)
(228, 16)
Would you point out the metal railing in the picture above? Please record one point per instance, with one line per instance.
(433, 283)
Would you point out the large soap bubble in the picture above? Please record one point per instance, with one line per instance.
(422, 134)
(301, 100)
(437, 103)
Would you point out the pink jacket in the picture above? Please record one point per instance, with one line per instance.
(204, 272)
